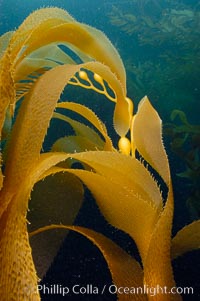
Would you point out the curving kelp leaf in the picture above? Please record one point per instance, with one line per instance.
(125, 270)
(119, 199)
(77, 144)
(130, 199)
(18, 276)
(45, 57)
(187, 239)
(147, 135)
(148, 141)
(90, 116)
(126, 171)
(121, 207)
(25, 30)
(52, 28)
(52, 52)
(83, 130)
(113, 60)
(18, 44)
(15, 251)
(37, 63)
(55, 199)
(93, 43)
(89, 40)
(31, 125)
(32, 38)
(14, 50)
(157, 264)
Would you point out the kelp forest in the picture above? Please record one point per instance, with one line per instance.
(56, 75)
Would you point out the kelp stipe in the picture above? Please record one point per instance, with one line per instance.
(33, 67)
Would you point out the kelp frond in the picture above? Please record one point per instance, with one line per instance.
(36, 70)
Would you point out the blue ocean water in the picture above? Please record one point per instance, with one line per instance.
(159, 44)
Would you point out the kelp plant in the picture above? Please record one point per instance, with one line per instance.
(34, 71)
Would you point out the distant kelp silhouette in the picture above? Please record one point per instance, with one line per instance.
(185, 143)
(169, 25)
(34, 72)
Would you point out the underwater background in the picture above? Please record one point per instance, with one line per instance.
(159, 44)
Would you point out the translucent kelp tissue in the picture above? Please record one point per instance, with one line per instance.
(34, 70)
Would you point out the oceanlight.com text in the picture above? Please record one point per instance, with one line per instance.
(152, 291)
(91, 289)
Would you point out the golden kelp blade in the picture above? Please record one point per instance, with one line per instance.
(157, 263)
(83, 131)
(124, 193)
(70, 144)
(149, 143)
(33, 120)
(125, 270)
(29, 25)
(36, 64)
(123, 177)
(21, 172)
(55, 24)
(125, 170)
(131, 200)
(31, 125)
(90, 116)
(45, 57)
(15, 252)
(132, 208)
(89, 40)
(187, 239)
(30, 37)
(122, 207)
(17, 271)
